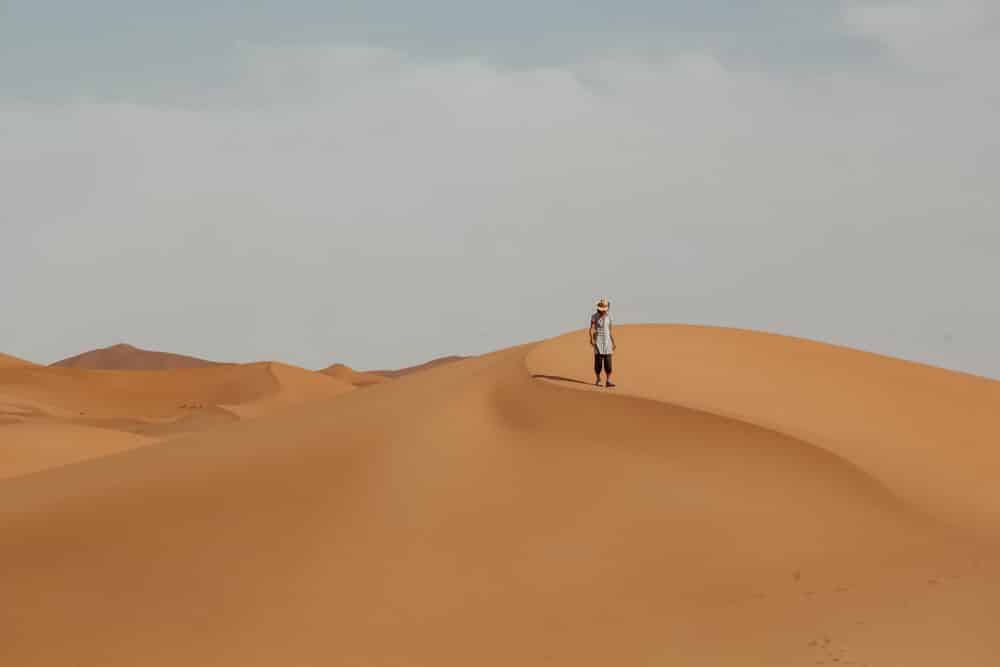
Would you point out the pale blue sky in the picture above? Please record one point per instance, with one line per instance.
(126, 48)
(382, 183)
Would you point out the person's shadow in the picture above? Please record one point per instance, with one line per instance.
(559, 378)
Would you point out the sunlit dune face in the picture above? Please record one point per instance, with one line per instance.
(740, 499)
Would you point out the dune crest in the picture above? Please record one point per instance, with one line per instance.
(493, 514)
(8, 361)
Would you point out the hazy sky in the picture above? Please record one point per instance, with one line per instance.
(379, 183)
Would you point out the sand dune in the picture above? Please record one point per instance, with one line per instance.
(294, 385)
(154, 404)
(124, 357)
(7, 361)
(924, 432)
(353, 377)
(741, 499)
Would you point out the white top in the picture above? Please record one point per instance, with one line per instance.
(602, 332)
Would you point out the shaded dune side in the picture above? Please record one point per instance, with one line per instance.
(584, 528)
(127, 357)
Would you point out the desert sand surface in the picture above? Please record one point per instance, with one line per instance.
(353, 377)
(739, 499)
(32, 446)
(124, 357)
(73, 414)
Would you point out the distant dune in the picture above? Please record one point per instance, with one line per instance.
(72, 414)
(741, 499)
(127, 358)
(434, 363)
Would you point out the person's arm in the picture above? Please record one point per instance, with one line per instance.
(592, 333)
(611, 333)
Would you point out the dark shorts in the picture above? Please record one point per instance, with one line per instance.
(602, 360)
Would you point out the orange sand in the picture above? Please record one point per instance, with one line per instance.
(77, 414)
(7, 361)
(30, 447)
(741, 499)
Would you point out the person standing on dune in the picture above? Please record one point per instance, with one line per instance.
(603, 341)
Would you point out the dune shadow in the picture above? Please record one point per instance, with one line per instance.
(559, 378)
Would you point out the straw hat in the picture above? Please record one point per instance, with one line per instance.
(602, 305)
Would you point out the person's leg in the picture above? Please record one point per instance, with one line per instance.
(607, 370)
(598, 363)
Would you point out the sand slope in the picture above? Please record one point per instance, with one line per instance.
(152, 404)
(7, 361)
(481, 515)
(293, 385)
(128, 358)
(30, 447)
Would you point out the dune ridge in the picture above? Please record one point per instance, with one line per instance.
(501, 510)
